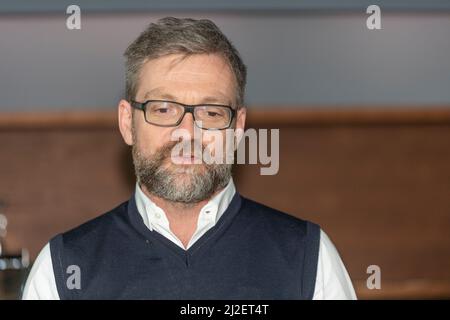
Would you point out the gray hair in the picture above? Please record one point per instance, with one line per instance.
(182, 36)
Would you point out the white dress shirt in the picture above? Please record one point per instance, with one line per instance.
(332, 279)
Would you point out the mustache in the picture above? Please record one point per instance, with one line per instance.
(194, 146)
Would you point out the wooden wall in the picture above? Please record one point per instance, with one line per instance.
(376, 180)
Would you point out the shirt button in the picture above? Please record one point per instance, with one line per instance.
(158, 216)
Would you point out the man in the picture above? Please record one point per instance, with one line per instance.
(186, 233)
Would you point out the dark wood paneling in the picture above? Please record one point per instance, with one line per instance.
(377, 181)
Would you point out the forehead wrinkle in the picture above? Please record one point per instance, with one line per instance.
(183, 57)
(186, 75)
(158, 94)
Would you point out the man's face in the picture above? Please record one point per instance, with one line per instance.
(191, 80)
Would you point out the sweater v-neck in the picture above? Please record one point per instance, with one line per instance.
(152, 236)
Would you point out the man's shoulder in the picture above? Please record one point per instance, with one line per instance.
(277, 219)
(99, 224)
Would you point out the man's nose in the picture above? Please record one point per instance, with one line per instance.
(187, 123)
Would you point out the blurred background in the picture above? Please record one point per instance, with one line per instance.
(364, 119)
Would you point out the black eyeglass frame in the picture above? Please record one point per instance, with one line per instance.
(187, 109)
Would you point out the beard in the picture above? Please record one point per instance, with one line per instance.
(179, 183)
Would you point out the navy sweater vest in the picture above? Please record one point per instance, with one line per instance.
(253, 252)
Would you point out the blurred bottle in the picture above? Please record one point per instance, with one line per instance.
(13, 265)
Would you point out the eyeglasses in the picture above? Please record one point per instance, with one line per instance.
(170, 114)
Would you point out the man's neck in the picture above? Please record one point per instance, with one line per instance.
(182, 217)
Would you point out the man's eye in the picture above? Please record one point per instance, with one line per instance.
(213, 114)
(162, 110)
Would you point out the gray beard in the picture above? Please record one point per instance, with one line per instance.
(184, 184)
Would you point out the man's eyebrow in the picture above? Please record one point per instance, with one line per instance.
(159, 94)
(216, 100)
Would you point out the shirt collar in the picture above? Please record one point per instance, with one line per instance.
(212, 211)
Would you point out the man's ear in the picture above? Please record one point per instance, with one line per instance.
(125, 113)
(240, 126)
(240, 118)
